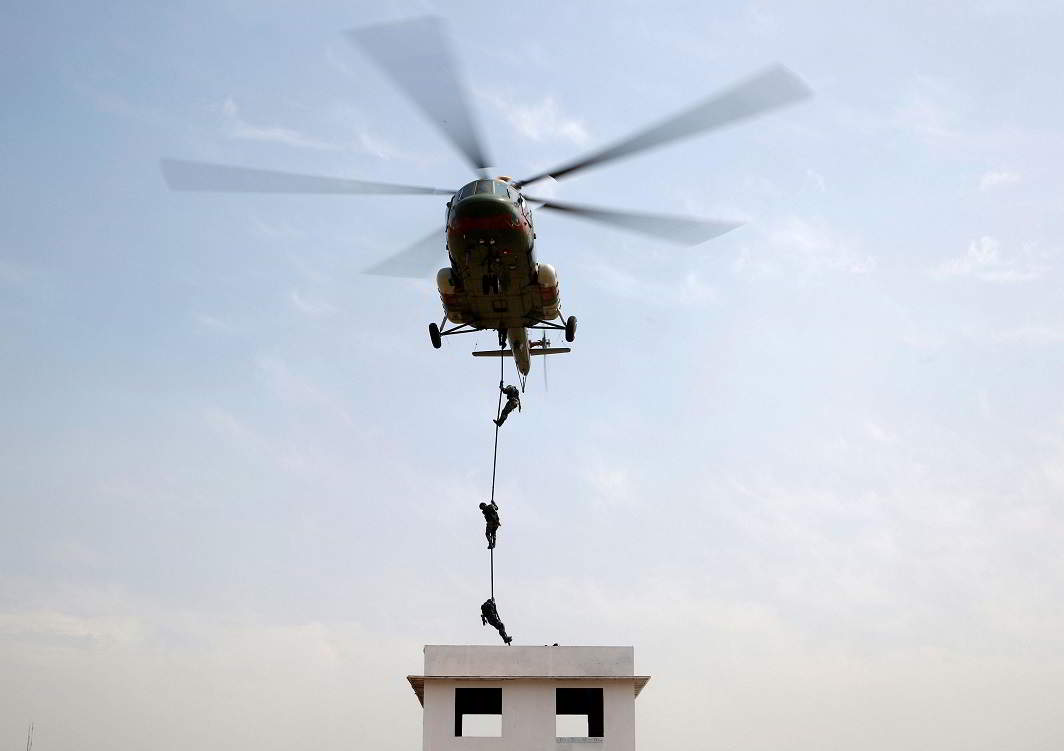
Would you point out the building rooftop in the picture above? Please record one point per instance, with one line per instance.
(501, 663)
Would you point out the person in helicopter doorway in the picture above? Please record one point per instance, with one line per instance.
(488, 614)
(513, 401)
(491, 522)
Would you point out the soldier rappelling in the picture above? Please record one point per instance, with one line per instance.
(488, 614)
(491, 522)
(513, 401)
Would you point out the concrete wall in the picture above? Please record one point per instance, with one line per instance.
(529, 661)
(528, 719)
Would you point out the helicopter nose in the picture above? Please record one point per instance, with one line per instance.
(484, 213)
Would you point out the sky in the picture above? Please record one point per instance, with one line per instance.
(812, 470)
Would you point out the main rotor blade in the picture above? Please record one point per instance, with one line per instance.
(223, 178)
(415, 262)
(769, 90)
(678, 229)
(416, 55)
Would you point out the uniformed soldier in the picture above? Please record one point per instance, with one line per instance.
(488, 614)
(513, 401)
(491, 522)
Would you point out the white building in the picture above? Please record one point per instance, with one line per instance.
(528, 698)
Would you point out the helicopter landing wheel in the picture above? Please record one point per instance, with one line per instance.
(570, 328)
(434, 335)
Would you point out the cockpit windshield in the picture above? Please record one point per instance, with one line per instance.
(486, 188)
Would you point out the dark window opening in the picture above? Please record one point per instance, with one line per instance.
(478, 712)
(578, 704)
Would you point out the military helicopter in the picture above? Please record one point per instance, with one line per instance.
(494, 280)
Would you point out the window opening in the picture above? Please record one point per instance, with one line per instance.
(478, 712)
(578, 713)
(484, 186)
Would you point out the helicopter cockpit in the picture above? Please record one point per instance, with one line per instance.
(487, 187)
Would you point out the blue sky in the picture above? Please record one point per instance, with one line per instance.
(812, 470)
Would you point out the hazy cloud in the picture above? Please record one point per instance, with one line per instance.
(237, 128)
(1035, 335)
(986, 261)
(214, 323)
(930, 108)
(810, 245)
(238, 679)
(540, 121)
(997, 179)
(310, 307)
(691, 290)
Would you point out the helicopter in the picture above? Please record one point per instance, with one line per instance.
(493, 280)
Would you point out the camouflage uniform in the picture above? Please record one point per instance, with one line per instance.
(513, 401)
(488, 614)
(491, 522)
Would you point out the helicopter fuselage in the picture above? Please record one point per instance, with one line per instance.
(494, 281)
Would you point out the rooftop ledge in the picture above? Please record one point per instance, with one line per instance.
(501, 663)
(529, 662)
(417, 682)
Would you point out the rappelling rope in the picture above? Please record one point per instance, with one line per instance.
(498, 414)
(495, 463)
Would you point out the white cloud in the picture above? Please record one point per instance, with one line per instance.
(118, 105)
(610, 485)
(239, 129)
(930, 109)
(63, 628)
(690, 291)
(314, 308)
(878, 433)
(810, 244)
(997, 179)
(985, 261)
(235, 433)
(214, 323)
(816, 180)
(379, 147)
(541, 121)
(1035, 335)
(297, 388)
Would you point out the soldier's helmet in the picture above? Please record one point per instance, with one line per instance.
(483, 505)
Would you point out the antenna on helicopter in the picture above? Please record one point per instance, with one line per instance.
(29, 737)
